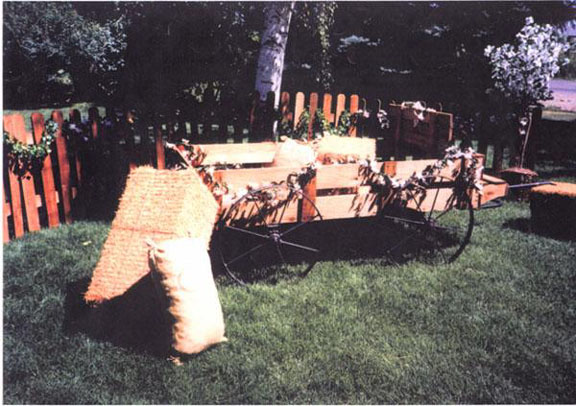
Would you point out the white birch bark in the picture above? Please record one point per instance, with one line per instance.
(272, 49)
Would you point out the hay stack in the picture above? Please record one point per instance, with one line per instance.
(553, 210)
(333, 149)
(156, 204)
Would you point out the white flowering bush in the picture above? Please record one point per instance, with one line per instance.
(522, 71)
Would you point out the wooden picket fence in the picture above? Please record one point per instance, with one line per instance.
(73, 176)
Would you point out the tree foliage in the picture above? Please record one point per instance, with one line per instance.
(523, 70)
(51, 52)
(168, 56)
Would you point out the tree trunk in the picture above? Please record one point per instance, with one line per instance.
(272, 49)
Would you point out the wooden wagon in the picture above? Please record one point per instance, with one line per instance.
(268, 225)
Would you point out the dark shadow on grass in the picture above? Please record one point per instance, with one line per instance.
(524, 225)
(133, 321)
(361, 240)
(520, 224)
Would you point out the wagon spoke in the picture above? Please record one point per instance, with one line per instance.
(260, 212)
(448, 210)
(280, 253)
(433, 204)
(302, 247)
(239, 257)
(286, 203)
(244, 231)
(297, 226)
(403, 241)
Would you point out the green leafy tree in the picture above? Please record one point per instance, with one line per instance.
(53, 54)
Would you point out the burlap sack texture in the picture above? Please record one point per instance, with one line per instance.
(157, 204)
(182, 275)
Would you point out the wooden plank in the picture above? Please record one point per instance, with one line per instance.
(313, 106)
(347, 206)
(47, 174)
(287, 115)
(327, 108)
(94, 119)
(256, 153)
(64, 168)
(29, 193)
(75, 117)
(298, 108)
(14, 186)
(444, 130)
(159, 145)
(435, 198)
(492, 188)
(6, 211)
(337, 176)
(246, 214)
(353, 109)
(395, 114)
(328, 176)
(308, 210)
(340, 107)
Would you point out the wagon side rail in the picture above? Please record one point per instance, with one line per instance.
(340, 191)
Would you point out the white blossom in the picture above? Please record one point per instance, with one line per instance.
(522, 71)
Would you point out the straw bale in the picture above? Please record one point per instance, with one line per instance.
(157, 204)
(332, 149)
(553, 210)
(294, 154)
(558, 188)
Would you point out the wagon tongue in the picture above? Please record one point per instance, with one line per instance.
(530, 185)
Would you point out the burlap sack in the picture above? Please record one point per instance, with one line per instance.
(294, 154)
(182, 273)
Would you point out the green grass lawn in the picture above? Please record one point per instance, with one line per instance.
(496, 326)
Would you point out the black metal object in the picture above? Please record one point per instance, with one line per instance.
(437, 235)
(529, 185)
(255, 244)
(492, 204)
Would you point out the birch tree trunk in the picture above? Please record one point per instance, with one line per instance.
(272, 49)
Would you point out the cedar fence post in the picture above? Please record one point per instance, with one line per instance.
(64, 168)
(313, 106)
(50, 194)
(16, 127)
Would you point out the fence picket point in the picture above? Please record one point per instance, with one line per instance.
(340, 107)
(298, 108)
(312, 109)
(327, 108)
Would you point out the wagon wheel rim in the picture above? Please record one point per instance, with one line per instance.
(267, 237)
(438, 236)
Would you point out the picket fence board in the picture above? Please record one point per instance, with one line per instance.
(15, 125)
(64, 168)
(47, 174)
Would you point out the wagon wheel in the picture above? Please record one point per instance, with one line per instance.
(436, 234)
(261, 237)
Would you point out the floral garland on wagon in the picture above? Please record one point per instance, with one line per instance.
(296, 181)
(469, 178)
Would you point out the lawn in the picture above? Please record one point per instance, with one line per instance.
(496, 326)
